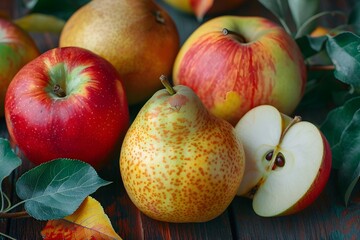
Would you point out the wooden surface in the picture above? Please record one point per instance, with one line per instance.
(327, 218)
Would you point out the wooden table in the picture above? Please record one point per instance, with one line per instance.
(327, 218)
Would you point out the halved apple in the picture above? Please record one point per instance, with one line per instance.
(288, 161)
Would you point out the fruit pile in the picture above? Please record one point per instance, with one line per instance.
(215, 125)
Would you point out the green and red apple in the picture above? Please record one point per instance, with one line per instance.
(178, 162)
(67, 103)
(288, 161)
(235, 63)
(138, 37)
(16, 49)
(202, 7)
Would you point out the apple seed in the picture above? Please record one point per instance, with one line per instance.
(279, 160)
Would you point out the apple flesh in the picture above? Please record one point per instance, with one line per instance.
(16, 49)
(288, 161)
(67, 103)
(236, 63)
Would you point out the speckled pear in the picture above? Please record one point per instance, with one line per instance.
(178, 162)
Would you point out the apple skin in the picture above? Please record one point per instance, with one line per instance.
(255, 63)
(16, 49)
(87, 124)
(138, 37)
(202, 7)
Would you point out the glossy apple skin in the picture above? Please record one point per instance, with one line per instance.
(16, 49)
(318, 185)
(87, 124)
(231, 77)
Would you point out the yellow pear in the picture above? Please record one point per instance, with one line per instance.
(137, 36)
(178, 162)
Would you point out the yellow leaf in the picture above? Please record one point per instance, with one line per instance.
(37, 22)
(89, 221)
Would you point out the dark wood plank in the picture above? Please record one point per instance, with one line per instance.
(326, 218)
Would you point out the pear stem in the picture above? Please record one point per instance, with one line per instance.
(164, 80)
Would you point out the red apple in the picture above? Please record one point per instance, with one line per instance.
(202, 7)
(16, 49)
(236, 63)
(68, 103)
(288, 161)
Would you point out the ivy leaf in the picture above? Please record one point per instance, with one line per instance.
(349, 171)
(57, 188)
(335, 124)
(9, 161)
(344, 51)
(302, 10)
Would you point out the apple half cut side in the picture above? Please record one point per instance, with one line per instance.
(288, 161)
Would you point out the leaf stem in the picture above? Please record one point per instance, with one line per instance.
(7, 236)
(22, 214)
(3, 198)
(321, 67)
(13, 206)
(302, 28)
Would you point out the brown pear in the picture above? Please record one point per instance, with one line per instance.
(137, 36)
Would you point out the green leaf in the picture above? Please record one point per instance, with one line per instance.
(302, 10)
(309, 46)
(9, 161)
(280, 9)
(56, 189)
(335, 124)
(344, 51)
(354, 18)
(60, 8)
(277, 7)
(37, 22)
(349, 172)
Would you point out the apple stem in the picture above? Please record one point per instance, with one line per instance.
(164, 80)
(276, 151)
(226, 31)
(59, 91)
(295, 120)
(159, 17)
